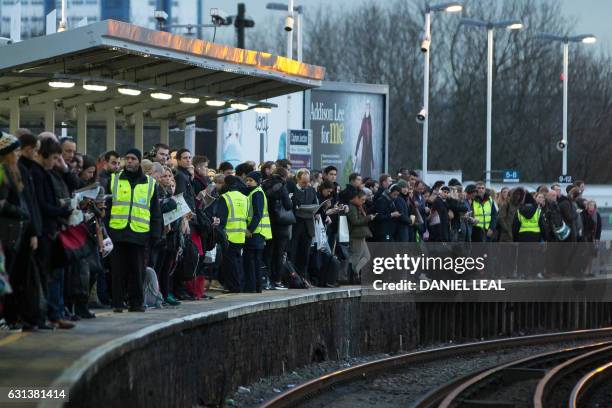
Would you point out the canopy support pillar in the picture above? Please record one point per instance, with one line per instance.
(111, 129)
(139, 130)
(164, 127)
(14, 114)
(82, 128)
(50, 117)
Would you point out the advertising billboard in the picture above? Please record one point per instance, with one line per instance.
(259, 137)
(349, 128)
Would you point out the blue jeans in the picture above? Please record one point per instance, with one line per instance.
(55, 294)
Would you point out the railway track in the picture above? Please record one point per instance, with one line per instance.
(536, 369)
(541, 381)
(587, 388)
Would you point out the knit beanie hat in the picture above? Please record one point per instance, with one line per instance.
(8, 143)
(135, 152)
(255, 175)
(454, 182)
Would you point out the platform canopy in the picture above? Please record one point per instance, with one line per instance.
(129, 58)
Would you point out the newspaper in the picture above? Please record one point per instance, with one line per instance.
(309, 210)
(90, 192)
(181, 209)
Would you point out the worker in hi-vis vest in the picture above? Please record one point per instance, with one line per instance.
(528, 224)
(527, 231)
(135, 223)
(258, 232)
(232, 211)
(485, 213)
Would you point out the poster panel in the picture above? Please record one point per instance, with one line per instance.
(348, 132)
(259, 137)
(300, 148)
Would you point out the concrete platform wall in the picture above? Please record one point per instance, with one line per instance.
(199, 362)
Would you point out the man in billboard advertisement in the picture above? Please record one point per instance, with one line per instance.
(348, 131)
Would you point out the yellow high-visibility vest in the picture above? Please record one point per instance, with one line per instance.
(131, 206)
(264, 228)
(237, 211)
(530, 224)
(482, 213)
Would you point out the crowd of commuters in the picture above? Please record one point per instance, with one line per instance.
(246, 229)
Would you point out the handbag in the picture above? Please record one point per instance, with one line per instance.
(344, 273)
(320, 237)
(343, 230)
(76, 242)
(11, 232)
(282, 216)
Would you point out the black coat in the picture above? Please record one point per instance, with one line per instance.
(51, 210)
(405, 230)
(277, 195)
(306, 196)
(552, 220)
(29, 195)
(440, 232)
(183, 185)
(459, 208)
(199, 184)
(103, 178)
(385, 227)
(570, 216)
(591, 226)
(12, 202)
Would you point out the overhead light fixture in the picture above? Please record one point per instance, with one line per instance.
(161, 95)
(95, 87)
(454, 8)
(61, 83)
(515, 26)
(129, 91)
(189, 99)
(215, 102)
(263, 109)
(239, 106)
(589, 39)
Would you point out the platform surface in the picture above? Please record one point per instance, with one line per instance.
(47, 358)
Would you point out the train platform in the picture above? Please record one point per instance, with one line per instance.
(30, 360)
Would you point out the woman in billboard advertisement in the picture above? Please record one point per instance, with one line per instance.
(364, 152)
(232, 139)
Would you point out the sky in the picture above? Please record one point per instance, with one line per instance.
(593, 15)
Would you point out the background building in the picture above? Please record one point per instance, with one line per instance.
(140, 12)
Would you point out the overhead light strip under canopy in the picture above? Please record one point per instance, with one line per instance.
(136, 89)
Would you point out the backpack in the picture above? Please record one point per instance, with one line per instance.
(562, 232)
(292, 279)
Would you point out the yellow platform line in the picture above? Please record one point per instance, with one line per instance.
(11, 338)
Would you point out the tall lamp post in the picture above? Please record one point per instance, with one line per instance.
(423, 116)
(490, 26)
(565, 40)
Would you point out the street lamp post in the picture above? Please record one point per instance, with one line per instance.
(565, 40)
(490, 26)
(452, 7)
